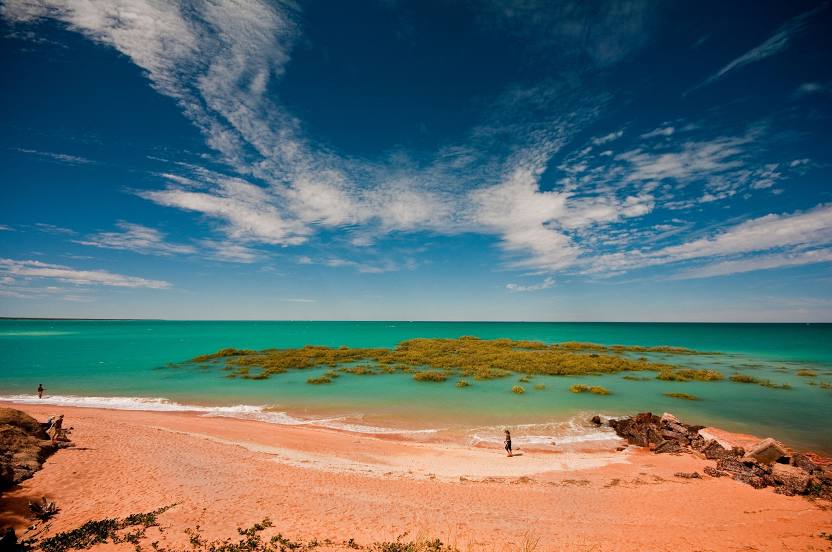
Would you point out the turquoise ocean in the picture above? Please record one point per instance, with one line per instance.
(141, 365)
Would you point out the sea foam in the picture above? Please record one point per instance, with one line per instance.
(262, 413)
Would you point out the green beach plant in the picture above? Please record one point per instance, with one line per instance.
(518, 389)
(462, 383)
(320, 380)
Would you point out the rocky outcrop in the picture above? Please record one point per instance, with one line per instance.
(765, 464)
(24, 446)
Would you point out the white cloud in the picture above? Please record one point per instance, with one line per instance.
(659, 132)
(794, 233)
(62, 157)
(36, 269)
(52, 229)
(524, 217)
(138, 239)
(607, 138)
(768, 232)
(230, 252)
(545, 284)
(5, 228)
(775, 43)
(762, 262)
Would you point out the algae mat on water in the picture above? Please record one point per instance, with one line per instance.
(464, 356)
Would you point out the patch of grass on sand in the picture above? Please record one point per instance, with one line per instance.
(744, 378)
(539, 386)
(462, 383)
(636, 378)
(465, 356)
(683, 396)
(250, 539)
(518, 389)
(320, 380)
(595, 389)
(430, 375)
(807, 373)
(689, 374)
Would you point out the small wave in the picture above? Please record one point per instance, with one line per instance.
(261, 413)
(572, 431)
(34, 334)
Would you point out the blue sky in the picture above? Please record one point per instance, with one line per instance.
(460, 160)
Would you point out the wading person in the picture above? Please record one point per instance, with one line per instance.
(508, 442)
(40, 390)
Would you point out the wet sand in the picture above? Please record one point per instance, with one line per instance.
(225, 473)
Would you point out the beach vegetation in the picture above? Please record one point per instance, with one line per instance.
(539, 386)
(524, 379)
(594, 389)
(320, 380)
(518, 389)
(465, 356)
(462, 383)
(635, 378)
(130, 529)
(744, 378)
(683, 396)
(807, 373)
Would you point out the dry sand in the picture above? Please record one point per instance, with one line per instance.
(316, 483)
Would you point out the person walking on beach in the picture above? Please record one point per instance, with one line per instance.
(40, 390)
(508, 442)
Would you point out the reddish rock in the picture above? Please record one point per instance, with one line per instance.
(667, 446)
(686, 475)
(713, 472)
(766, 451)
(790, 480)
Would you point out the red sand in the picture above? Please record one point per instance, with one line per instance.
(315, 483)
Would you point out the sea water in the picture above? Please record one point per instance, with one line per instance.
(141, 365)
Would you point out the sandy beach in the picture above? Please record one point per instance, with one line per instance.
(316, 483)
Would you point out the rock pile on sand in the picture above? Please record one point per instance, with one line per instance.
(766, 464)
(24, 446)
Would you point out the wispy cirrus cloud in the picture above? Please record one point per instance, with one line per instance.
(60, 157)
(17, 269)
(786, 239)
(138, 239)
(762, 262)
(774, 44)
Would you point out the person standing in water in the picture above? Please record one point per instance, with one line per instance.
(40, 390)
(508, 442)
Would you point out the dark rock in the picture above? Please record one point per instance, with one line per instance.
(596, 420)
(754, 480)
(653, 435)
(790, 479)
(713, 472)
(680, 438)
(24, 446)
(714, 451)
(668, 446)
(686, 475)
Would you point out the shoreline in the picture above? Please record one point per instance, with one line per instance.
(321, 483)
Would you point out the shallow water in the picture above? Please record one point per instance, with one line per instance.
(127, 364)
